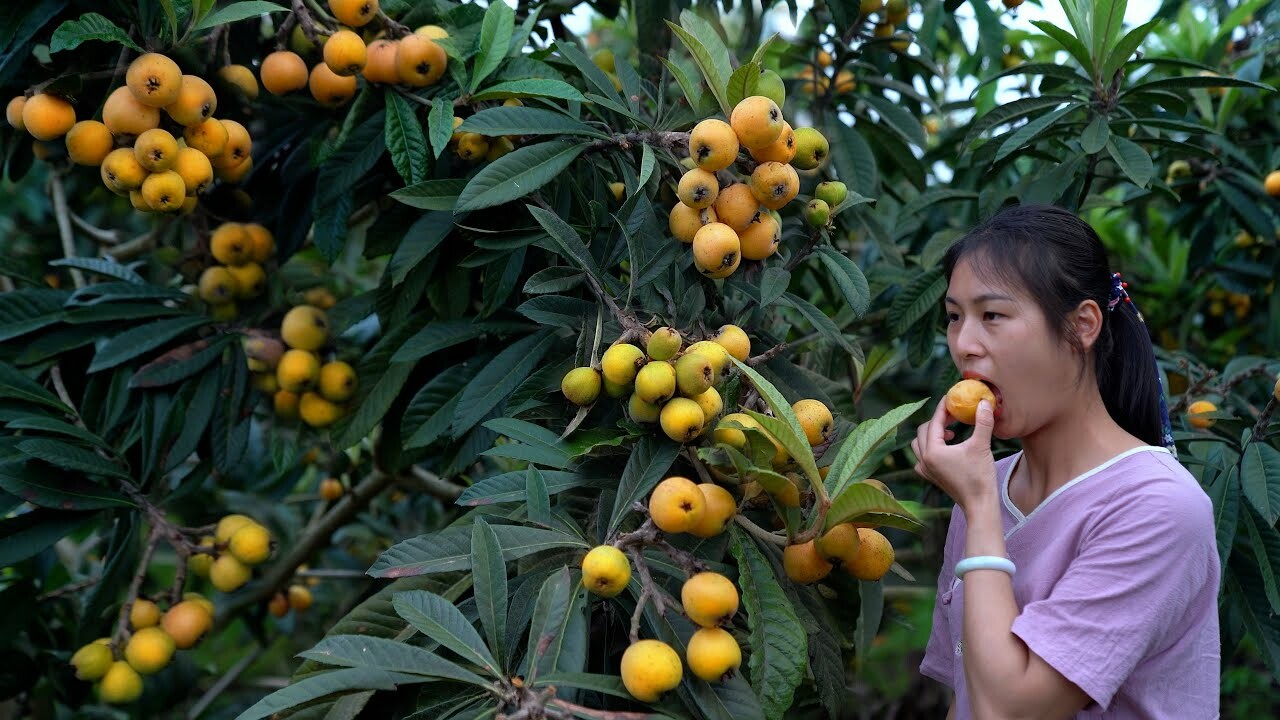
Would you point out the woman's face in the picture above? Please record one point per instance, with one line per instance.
(1000, 336)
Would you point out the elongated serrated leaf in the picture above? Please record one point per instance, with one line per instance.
(436, 336)
(518, 174)
(538, 87)
(510, 487)
(1026, 134)
(525, 121)
(779, 646)
(440, 125)
(236, 12)
(321, 685)
(915, 300)
(24, 535)
(1265, 542)
(691, 89)
(1195, 81)
(819, 320)
(529, 434)
(1010, 112)
(441, 621)
(45, 423)
(862, 444)
(361, 651)
(499, 378)
(71, 457)
(495, 40)
(1126, 47)
(790, 433)
(706, 64)
(24, 311)
(1250, 212)
(405, 140)
(138, 340)
(557, 633)
(567, 240)
(1095, 136)
(108, 267)
(15, 385)
(742, 83)
(650, 459)
(860, 502)
(431, 194)
(1069, 42)
(1260, 478)
(490, 586)
(538, 498)
(1132, 159)
(607, 684)
(90, 26)
(450, 549)
(57, 491)
(870, 613)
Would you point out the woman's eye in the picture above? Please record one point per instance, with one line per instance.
(989, 315)
(952, 317)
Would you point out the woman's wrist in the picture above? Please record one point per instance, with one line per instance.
(985, 529)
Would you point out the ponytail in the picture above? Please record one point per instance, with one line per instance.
(1128, 378)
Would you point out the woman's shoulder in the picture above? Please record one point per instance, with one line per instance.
(1152, 483)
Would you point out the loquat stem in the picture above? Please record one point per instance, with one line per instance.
(767, 355)
(814, 238)
(224, 682)
(669, 140)
(122, 621)
(698, 467)
(760, 532)
(63, 216)
(396, 29)
(647, 592)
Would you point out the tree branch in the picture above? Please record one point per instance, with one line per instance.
(760, 532)
(63, 216)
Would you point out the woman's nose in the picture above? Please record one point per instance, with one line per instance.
(966, 341)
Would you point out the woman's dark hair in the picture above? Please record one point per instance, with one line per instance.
(1059, 262)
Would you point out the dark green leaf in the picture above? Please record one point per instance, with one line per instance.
(90, 26)
(530, 88)
(450, 549)
(55, 490)
(1132, 159)
(1260, 476)
(180, 363)
(851, 460)
(440, 127)
(567, 240)
(1095, 136)
(138, 340)
(237, 11)
(438, 619)
(650, 459)
(15, 385)
(1124, 49)
(743, 82)
(499, 378)
(71, 457)
(405, 141)
(779, 646)
(495, 41)
(431, 194)
(361, 651)
(915, 300)
(518, 174)
(323, 684)
(490, 578)
(525, 121)
(108, 267)
(558, 633)
(22, 536)
(511, 487)
(819, 320)
(848, 277)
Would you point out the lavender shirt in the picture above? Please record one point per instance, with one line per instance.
(1117, 583)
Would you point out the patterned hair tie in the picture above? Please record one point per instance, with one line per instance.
(1120, 292)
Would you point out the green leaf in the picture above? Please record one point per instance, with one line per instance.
(495, 41)
(1265, 543)
(779, 646)
(538, 498)
(439, 195)
(90, 26)
(142, 338)
(45, 423)
(59, 492)
(71, 457)
(405, 141)
(24, 311)
(743, 82)
(557, 634)
(1260, 477)
(861, 502)
(1132, 159)
(820, 321)
(692, 91)
(607, 684)
(774, 282)
(1195, 81)
(934, 196)
(707, 64)
(1108, 22)
(1127, 46)
(1250, 212)
(537, 87)
(436, 336)
(363, 651)
(441, 621)
(440, 128)
(235, 12)
(1095, 136)
(566, 239)
(921, 295)
(22, 536)
(784, 426)
(870, 613)
(499, 378)
(543, 445)
(490, 578)
(450, 549)
(650, 459)
(511, 487)
(1244, 590)
(101, 266)
(1027, 133)
(323, 684)
(180, 363)
(850, 462)
(1069, 43)
(16, 386)
(525, 121)
(518, 174)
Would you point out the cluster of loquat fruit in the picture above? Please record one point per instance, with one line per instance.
(241, 250)
(666, 385)
(226, 559)
(237, 544)
(299, 384)
(297, 597)
(740, 221)
(160, 169)
(415, 60)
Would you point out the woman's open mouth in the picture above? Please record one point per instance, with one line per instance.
(971, 375)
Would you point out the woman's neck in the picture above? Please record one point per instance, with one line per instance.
(1075, 442)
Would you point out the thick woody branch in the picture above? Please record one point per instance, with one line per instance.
(668, 140)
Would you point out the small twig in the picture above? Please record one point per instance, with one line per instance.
(760, 532)
(135, 247)
(647, 592)
(767, 355)
(698, 467)
(122, 623)
(396, 29)
(814, 238)
(283, 33)
(63, 216)
(308, 23)
(69, 588)
(685, 559)
(108, 237)
(224, 682)
(669, 140)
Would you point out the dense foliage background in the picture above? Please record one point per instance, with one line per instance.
(462, 289)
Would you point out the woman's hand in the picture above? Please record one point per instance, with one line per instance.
(964, 470)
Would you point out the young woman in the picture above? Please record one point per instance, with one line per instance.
(1080, 576)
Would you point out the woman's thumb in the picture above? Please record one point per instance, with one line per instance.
(984, 421)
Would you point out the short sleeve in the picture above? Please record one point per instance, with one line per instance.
(1140, 564)
(939, 657)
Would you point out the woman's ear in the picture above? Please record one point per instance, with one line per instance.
(1087, 320)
